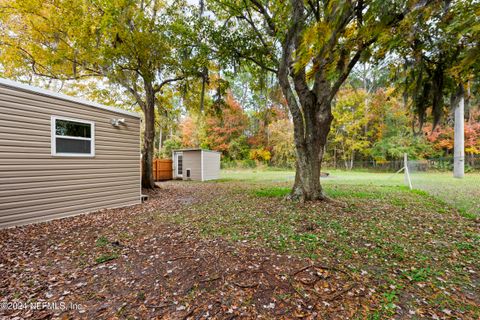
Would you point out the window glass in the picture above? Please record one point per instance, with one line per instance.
(73, 129)
(180, 164)
(65, 145)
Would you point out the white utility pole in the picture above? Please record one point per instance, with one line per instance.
(459, 138)
(406, 172)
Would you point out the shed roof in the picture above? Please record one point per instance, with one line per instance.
(40, 91)
(194, 149)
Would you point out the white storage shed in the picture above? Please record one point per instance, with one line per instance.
(196, 164)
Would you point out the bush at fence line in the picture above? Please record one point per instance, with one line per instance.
(228, 164)
(431, 165)
(444, 165)
(238, 164)
(355, 169)
(366, 166)
(441, 165)
(472, 164)
(468, 168)
(278, 168)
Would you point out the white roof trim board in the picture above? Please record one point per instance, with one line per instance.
(195, 149)
(26, 87)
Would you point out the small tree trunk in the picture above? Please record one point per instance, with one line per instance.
(344, 157)
(459, 138)
(160, 136)
(335, 158)
(204, 76)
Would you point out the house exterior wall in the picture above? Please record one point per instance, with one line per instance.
(37, 186)
(211, 165)
(192, 161)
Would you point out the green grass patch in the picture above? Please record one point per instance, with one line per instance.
(342, 193)
(106, 257)
(418, 275)
(102, 241)
(464, 246)
(468, 215)
(272, 192)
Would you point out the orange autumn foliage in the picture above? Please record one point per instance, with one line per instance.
(222, 130)
(189, 131)
(442, 137)
(265, 118)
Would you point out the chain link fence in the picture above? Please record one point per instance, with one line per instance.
(434, 176)
(443, 164)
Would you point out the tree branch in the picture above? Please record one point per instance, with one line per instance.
(258, 63)
(50, 75)
(266, 15)
(299, 76)
(344, 75)
(252, 24)
(314, 9)
(134, 91)
(284, 68)
(159, 87)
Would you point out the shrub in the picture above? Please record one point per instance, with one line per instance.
(238, 164)
(238, 148)
(248, 164)
(262, 155)
(168, 146)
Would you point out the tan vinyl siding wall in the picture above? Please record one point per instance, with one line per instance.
(36, 186)
(211, 165)
(192, 161)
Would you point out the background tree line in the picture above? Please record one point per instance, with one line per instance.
(369, 125)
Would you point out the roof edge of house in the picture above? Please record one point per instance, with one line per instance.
(41, 91)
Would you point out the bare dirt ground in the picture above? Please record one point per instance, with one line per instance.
(128, 263)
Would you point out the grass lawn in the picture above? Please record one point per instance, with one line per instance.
(235, 249)
(463, 194)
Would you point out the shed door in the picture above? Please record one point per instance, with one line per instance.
(179, 164)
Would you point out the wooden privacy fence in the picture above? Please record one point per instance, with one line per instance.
(162, 169)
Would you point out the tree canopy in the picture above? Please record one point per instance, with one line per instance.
(438, 51)
(242, 76)
(142, 46)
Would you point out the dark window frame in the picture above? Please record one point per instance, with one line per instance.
(180, 164)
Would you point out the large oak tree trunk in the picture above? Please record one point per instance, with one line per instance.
(310, 109)
(310, 150)
(147, 151)
(148, 138)
(311, 75)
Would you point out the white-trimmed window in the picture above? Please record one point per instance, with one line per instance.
(72, 137)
